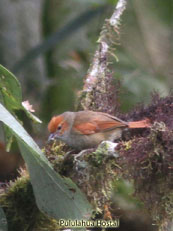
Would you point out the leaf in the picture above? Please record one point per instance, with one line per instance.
(56, 196)
(3, 221)
(11, 89)
(11, 97)
(12, 93)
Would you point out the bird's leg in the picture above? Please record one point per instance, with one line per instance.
(68, 154)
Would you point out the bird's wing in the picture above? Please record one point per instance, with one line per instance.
(94, 122)
(96, 126)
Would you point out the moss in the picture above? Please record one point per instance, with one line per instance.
(55, 153)
(94, 173)
(145, 158)
(127, 145)
(148, 162)
(20, 208)
(98, 156)
(91, 171)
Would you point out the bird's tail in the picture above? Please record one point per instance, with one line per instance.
(140, 124)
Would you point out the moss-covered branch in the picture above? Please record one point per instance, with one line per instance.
(99, 93)
(144, 157)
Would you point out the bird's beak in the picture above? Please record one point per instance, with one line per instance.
(51, 137)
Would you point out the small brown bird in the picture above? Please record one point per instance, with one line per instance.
(86, 129)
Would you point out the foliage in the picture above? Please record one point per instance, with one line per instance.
(11, 97)
(57, 197)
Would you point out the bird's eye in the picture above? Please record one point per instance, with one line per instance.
(59, 127)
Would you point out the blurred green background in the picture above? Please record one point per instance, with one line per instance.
(49, 46)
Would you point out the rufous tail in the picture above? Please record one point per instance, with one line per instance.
(140, 124)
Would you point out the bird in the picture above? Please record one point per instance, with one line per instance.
(86, 129)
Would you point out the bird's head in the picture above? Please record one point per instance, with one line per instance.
(59, 126)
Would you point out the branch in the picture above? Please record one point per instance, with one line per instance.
(99, 93)
(145, 158)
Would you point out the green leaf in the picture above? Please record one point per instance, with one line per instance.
(56, 196)
(10, 89)
(11, 97)
(3, 221)
(12, 94)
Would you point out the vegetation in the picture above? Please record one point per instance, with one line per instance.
(49, 46)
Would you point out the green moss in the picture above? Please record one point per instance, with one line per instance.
(94, 173)
(127, 145)
(20, 208)
(99, 155)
